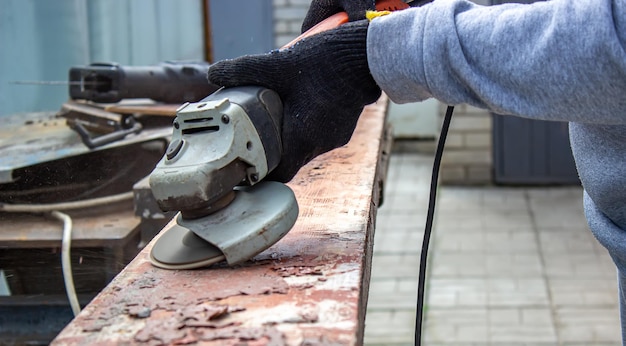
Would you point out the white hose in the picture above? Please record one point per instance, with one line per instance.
(66, 263)
(66, 241)
(40, 208)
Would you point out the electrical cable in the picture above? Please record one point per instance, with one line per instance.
(41, 208)
(429, 224)
(66, 240)
(66, 263)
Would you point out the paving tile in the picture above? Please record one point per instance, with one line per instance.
(504, 198)
(586, 343)
(383, 287)
(464, 265)
(505, 218)
(547, 218)
(395, 266)
(462, 220)
(507, 266)
(393, 294)
(519, 241)
(583, 292)
(403, 221)
(456, 325)
(565, 193)
(497, 344)
(522, 333)
(561, 241)
(459, 241)
(456, 292)
(588, 326)
(477, 264)
(399, 242)
(490, 327)
(389, 328)
(578, 265)
(512, 264)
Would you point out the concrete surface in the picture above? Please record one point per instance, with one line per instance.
(507, 266)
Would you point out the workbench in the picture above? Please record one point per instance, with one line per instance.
(310, 288)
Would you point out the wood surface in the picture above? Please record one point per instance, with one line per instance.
(310, 288)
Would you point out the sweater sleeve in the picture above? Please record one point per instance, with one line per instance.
(556, 60)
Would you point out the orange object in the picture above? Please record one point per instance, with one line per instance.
(340, 18)
(391, 5)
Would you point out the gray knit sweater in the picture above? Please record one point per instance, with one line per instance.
(556, 60)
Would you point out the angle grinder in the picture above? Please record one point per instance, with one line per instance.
(212, 172)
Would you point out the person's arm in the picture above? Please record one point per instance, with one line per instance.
(557, 60)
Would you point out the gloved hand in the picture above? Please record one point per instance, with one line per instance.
(322, 9)
(324, 83)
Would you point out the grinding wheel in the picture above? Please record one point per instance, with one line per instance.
(180, 248)
(257, 218)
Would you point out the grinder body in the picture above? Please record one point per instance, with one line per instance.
(231, 137)
(222, 147)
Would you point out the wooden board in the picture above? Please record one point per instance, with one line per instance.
(310, 288)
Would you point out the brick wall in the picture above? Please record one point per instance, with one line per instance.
(467, 157)
(288, 17)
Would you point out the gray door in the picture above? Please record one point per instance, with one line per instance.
(531, 152)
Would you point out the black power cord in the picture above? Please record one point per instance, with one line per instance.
(429, 224)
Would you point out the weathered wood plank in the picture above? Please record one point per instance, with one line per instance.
(308, 289)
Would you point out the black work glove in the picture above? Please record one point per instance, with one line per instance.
(324, 82)
(322, 9)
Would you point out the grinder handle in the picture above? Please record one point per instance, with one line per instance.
(340, 18)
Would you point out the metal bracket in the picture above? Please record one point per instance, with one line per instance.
(94, 142)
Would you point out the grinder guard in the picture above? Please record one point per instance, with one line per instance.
(258, 217)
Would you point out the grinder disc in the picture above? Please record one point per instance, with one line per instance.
(180, 248)
(258, 217)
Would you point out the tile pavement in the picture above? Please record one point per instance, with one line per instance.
(507, 266)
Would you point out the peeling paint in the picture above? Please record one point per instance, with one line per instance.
(307, 289)
(182, 327)
(267, 336)
(139, 311)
